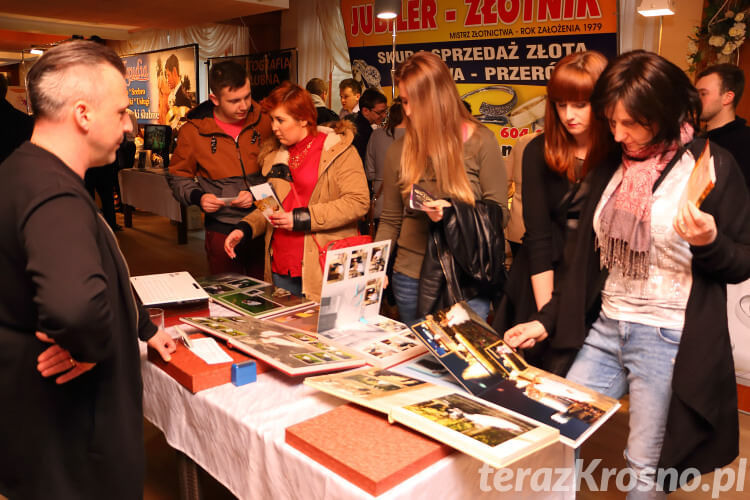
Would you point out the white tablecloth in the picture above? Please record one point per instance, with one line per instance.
(237, 435)
(147, 189)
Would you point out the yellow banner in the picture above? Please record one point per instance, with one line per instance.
(500, 52)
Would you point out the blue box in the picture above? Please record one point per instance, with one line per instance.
(244, 373)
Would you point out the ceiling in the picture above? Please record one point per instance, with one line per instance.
(28, 23)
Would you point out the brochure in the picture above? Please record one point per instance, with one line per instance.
(265, 199)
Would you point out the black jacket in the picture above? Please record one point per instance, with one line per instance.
(326, 115)
(702, 428)
(465, 256)
(63, 274)
(545, 218)
(735, 138)
(364, 131)
(15, 128)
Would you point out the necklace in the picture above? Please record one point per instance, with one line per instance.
(296, 158)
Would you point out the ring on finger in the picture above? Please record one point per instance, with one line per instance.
(72, 363)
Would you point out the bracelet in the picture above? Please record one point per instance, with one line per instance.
(494, 113)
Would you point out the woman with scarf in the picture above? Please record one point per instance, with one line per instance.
(644, 297)
(318, 176)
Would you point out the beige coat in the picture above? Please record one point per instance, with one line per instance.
(515, 229)
(339, 199)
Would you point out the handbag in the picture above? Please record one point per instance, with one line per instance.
(360, 239)
(351, 241)
(371, 213)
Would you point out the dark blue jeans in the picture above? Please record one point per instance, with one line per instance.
(406, 291)
(293, 284)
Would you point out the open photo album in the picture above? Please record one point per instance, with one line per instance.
(488, 368)
(288, 350)
(480, 429)
(250, 296)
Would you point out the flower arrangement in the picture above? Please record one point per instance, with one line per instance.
(720, 34)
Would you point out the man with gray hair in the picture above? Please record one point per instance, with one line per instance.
(70, 381)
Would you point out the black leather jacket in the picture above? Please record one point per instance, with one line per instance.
(465, 256)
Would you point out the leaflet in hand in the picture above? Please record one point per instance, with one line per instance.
(418, 197)
(702, 179)
(265, 199)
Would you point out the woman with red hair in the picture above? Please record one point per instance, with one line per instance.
(318, 176)
(555, 164)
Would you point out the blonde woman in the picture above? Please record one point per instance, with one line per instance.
(446, 152)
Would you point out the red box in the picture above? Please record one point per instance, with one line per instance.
(194, 373)
(363, 448)
(172, 314)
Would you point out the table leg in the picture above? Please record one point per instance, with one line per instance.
(127, 211)
(182, 227)
(187, 470)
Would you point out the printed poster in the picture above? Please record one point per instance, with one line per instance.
(163, 84)
(267, 70)
(500, 52)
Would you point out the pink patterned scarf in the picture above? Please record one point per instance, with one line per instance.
(625, 221)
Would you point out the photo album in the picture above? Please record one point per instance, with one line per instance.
(480, 429)
(250, 296)
(488, 368)
(288, 350)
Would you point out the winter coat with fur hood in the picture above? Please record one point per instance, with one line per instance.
(339, 199)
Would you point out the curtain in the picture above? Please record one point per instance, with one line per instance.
(214, 40)
(321, 43)
(636, 31)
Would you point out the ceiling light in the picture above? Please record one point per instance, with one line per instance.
(652, 8)
(37, 52)
(387, 9)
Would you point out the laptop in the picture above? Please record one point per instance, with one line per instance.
(168, 289)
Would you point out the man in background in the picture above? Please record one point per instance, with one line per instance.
(349, 91)
(319, 91)
(373, 107)
(66, 306)
(15, 125)
(216, 161)
(720, 89)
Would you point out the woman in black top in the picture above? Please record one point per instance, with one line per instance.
(554, 165)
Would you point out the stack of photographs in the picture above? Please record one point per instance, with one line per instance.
(249, 296)
(488, 368)
(288, 350)
(381, 341)
(487, 432)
